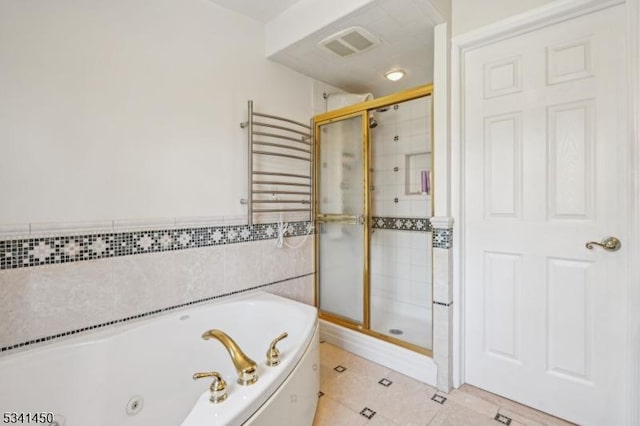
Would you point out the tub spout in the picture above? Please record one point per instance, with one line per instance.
(245, 366)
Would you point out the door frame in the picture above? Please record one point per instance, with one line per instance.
(530, 21)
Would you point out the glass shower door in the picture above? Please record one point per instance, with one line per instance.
(341, 218)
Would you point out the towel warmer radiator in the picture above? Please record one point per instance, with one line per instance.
(272, 136)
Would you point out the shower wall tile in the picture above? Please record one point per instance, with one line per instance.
(420, 257)
(421, 241)
(401, 132)
(399, 272)
(419, 291)
(420, 273)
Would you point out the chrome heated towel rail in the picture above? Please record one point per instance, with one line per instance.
(272, 136)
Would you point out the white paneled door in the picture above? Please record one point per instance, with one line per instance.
(545, 172)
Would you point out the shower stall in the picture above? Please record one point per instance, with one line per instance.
(372, 208)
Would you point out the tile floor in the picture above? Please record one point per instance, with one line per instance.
(354, 392)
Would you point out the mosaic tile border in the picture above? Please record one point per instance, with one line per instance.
(443, 238)
(26, 252)
(401, 223)
(146, 314)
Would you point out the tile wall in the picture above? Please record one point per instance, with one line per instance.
(401, 241)
(60, 284)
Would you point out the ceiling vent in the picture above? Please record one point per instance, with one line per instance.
(349, 42)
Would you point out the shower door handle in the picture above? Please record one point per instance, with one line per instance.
(341, 218)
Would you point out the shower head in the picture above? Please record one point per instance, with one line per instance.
(373, 123)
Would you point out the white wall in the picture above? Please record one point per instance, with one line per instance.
(468, 15)
(131, 109)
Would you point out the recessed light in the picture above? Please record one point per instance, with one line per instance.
(395, 75)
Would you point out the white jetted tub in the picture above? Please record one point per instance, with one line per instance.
(140, 374)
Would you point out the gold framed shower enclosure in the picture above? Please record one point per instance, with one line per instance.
(361, 111)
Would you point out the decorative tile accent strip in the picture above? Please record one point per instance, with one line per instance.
(385, 382)
(401, 223)
(442, 303)
(502, 419)
(438, 398)
(146, 314)
(340, 368)
(63, 249)
(443, 238)
(367, 412)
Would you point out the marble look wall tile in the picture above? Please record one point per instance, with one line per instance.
(303, 261)
(277, 263)
(143, 283)
(15, 313)
(243, 266)
(41, 301)
(442, 320)
(442, 272)
(199, 273)
(308, 292)
(299, 289)
(69, 296)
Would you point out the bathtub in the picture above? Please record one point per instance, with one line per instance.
(140, 374)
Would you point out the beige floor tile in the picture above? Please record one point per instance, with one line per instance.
(409, 383)
(354, 391)
(327, 376)
(519, 412)
(407, 402)
(473, 402)
(379, 420)
(457, 415)
(518, 418)
(365, 367)
(332, 413)
(406, 405)
(331, 355)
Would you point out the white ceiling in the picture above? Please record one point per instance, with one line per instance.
(404, 27)
(260, 10)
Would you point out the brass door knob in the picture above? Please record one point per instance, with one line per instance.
(273, 354)
(609, 244)
(218, 388)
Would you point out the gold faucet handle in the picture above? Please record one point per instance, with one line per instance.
(218, 388)
(273, 354)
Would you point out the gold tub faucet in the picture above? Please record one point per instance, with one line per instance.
(245, 366)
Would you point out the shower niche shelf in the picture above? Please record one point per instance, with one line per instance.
(416, 166)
